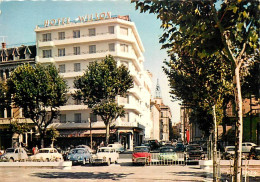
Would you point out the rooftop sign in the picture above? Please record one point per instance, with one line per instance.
(80, 19)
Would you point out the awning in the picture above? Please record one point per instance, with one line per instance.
(83, 133)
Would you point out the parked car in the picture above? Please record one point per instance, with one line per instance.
(179, 147)
(14, 154)
(246, 146)
(229, 153)
(79, 155)
(255, 153)
(117, 146)
(168, 153)
(141, 155)
(194, 152)
(47, 154)
(86, 147)
(154, 144)
(105, 155)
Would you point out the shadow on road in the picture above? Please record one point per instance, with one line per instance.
(81, 175)
(198, 174)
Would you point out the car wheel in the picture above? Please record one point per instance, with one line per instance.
(11, 160)
(108, 162)
(116, 161)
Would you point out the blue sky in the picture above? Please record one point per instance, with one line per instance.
(19, 17)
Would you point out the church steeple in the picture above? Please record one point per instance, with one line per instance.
(158, 90)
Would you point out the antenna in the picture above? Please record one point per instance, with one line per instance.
(158, 90)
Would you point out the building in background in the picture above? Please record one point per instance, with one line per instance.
(73, 45)
(161, 115)
(11, 58)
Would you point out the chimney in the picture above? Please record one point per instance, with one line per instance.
(3, 45)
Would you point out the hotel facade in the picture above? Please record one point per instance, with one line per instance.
(73, 45)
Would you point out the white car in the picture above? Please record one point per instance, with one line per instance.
(117, 146)
(14, 154)
(105, 155)
(246, 146)
(47, 154)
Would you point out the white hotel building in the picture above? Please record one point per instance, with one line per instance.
(72, 46)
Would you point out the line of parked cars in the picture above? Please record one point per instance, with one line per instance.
(80, 154)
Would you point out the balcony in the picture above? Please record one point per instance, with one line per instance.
(8, 121)
(78, 125)
(126, 124)
(73, 107)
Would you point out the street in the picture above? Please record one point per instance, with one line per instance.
(123, 171)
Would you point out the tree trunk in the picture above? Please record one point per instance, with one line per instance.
(42, 140)
(107, 133)
(215, 138)
(239, 127)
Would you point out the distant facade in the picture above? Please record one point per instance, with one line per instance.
(161, 115)
(10, 59)
(73, 45)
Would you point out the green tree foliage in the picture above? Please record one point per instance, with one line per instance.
(53, 133)
(100, 85)
(39, 91)
(208, 29)
(4, 100)
(19, 128)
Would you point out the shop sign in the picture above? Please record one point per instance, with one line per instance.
(80, 19)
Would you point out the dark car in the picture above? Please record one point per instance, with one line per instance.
(194, 152)
(255, 153)
(179, 147)
(154, 144)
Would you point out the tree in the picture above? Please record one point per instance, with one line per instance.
(198, 83)
(229, 29)
(19, 128)
(39, 91)
(99, 86)
(53, 133)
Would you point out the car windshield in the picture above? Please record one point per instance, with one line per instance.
(193, 147)
(141, 149)
(77, 151)
(231, 149)
(9, 150)
(103, 150)
(44, 151)
(167, 150)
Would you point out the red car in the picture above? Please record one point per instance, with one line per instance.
(141, 155)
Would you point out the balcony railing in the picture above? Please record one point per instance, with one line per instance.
(81, 36)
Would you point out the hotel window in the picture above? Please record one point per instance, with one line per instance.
(93, 117)
(92, 49)
(124, 48)
(76, 67)
(92, 32)
(46, 37)
(77, 117)
(76, 50)
(63, 118)
(27, 56)
(76, 34)
(61, 35)
(61, 52)
(62, 68)
(46, 53)
(123, 31)
(111, 29)
(111, 47)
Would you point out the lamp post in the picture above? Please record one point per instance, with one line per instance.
(89, 120)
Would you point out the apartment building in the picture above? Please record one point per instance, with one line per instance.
(11, 58)
(73, 45)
